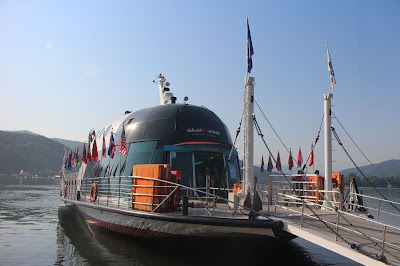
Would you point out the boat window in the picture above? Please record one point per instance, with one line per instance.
(107, 130)
(183, 162)
(115, 163)
(99, 135)
(129, 121)
(139, 153)
(233, 171)
(212, 164)
(195, 166)
(158, 157)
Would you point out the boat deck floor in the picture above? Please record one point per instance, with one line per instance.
(343, 236)
(338, 234)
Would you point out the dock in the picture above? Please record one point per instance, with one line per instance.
(359, 238)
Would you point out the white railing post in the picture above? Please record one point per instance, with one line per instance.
(384, 239)
(379, 209)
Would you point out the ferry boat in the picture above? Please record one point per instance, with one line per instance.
(177, 175)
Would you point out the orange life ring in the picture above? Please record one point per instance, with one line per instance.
(93, 192)
(65, 191)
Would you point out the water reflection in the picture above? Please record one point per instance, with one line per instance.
(80, 243)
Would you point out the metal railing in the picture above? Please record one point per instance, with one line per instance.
(121, 192)
(375, 201)
(352, 227)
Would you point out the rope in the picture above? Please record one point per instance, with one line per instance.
(353, 246)
(315, 142)
(376, 169)
(351, 159)
(230, 156)
(273, 130)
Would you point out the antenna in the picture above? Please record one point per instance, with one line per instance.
(165, 95)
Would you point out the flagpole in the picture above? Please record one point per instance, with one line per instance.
(247, 47)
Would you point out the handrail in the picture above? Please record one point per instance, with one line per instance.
(372, 197)
(385, 226)
(86, 183)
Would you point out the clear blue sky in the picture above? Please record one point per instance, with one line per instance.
(68, 66)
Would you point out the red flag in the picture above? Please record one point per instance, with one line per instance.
(122, 143)
(95, 155)
(262, 163)
(312, 155)
(270, 166)
(77, 155)
(73, 163)
(103, 151)
(299, 159)
(84, 154)
(278, 163)
(290, 162)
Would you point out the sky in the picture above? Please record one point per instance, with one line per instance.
(69, 66)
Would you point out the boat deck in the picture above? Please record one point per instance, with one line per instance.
(343, 235)
(363, 232)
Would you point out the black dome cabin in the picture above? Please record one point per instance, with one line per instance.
(192, 139)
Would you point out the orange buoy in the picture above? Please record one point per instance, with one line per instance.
(93, 192)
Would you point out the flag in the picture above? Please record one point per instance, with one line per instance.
(250, 51)
(69, 166)
(77, 155)
(312, 155)
(299, 159)
(73, 160)
(65, 159)
(270, 166)
(122, 143)
(103, 151)
(262, 163)
(278, 163)
(330, 69)
(84, 154)
(88, 155)
(95, 155)
(111, 148)
(290, 162)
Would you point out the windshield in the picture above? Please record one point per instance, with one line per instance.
(196, 166)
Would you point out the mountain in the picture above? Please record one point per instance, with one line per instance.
(71, 144)
(23, 131)
(390, 168)
(32, 153)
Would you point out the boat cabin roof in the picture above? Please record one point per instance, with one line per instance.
(173, 122)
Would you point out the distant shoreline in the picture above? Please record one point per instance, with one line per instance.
(12, 180)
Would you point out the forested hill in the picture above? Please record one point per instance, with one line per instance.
(34, 154)
(390, 168)
(71, 144)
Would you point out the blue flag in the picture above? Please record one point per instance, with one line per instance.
(270, 166)
(250, 51)
(69, 166)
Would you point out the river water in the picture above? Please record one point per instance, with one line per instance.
(37, 228)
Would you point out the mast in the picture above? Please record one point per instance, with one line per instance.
(249, 136)
(328, 131)
(165, 95)
(328, 145)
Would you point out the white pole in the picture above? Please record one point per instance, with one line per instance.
(249, 136)
(328, 145)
